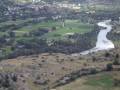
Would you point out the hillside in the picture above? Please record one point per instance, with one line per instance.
(42, 45)
(53, 70)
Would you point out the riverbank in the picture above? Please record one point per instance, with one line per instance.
(102, 42)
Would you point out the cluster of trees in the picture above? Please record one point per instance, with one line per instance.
(36, 45)
(4, 5)
(84, 1)
(33, 11)
(81, 43)
(32, 44)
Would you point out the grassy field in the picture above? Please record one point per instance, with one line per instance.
(7, 23)
(29, 28)
(103, 81)
(13, 22)
(71, 26)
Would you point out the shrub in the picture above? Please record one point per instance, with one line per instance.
(109, 67)
(116, 82)
(107, 54)
(93, 71)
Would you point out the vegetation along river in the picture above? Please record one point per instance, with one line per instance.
(103, 43)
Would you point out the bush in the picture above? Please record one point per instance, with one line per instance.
(93, 71)
(109, 67)
(107, 54)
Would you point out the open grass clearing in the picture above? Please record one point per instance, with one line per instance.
(17, 22)
(71, 26)
(103, 81)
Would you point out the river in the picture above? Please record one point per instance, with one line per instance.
(103, 43)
